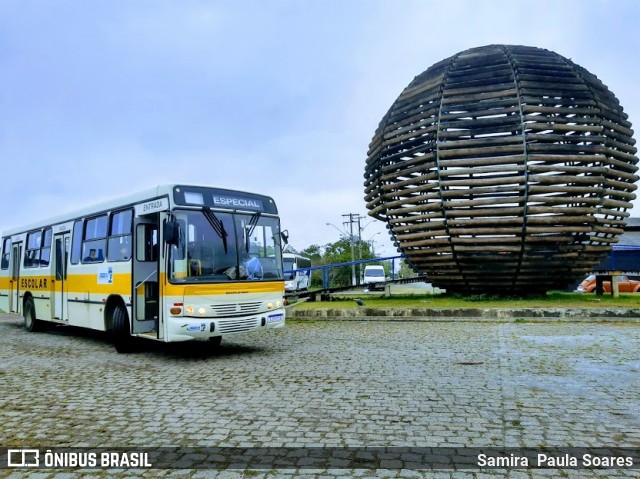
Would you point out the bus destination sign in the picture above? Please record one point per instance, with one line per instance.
(223, 199)
(236, 202)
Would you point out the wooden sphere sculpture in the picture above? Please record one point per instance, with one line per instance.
(503, 169)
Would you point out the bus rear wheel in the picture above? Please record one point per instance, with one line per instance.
(30, 321)
(120, 331)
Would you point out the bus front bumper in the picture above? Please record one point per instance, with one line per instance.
(187, 328)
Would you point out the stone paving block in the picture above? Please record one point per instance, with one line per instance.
(341, 384)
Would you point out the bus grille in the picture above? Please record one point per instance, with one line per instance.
(237, 325)
(235, 309)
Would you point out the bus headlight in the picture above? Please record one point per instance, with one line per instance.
(190, 310)
(201, 311)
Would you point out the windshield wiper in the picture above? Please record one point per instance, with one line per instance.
(253, 222)
(217, 226)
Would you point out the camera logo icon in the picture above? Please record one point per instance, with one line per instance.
(23, 458)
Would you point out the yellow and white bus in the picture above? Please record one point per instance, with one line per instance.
(175, 263)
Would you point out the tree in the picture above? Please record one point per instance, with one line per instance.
(338, 252)
(332, 253)
(314, 253)
(406, 271)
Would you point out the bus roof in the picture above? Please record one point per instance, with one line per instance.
(123, 201)
(293, 255)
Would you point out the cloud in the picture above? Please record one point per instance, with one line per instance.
(103, 98)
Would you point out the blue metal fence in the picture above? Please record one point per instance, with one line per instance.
(622, 258)
(326, 268)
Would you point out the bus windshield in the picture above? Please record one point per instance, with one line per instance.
(226, 247)
(289, 264)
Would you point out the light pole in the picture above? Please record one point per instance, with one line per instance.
(371, 241)
(353, 266)
(361, 229)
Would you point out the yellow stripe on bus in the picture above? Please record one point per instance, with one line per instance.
(4, 282)
(74, 284)
(223, 288)
(121, 284)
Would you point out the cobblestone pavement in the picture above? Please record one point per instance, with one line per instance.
(327, 383)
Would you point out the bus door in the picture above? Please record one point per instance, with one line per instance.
(60, 289)
(14, 295)
(146, 263)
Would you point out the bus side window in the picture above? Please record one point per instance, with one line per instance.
(45, 251)
(76, 243)
(32, 253)
(94, 241)
(119, 243)
(6, 250)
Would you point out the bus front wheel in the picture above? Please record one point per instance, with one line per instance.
(122, 339)
(30, 321)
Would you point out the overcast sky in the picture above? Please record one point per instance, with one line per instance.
(105, 97)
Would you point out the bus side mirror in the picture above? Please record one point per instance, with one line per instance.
(285, 236)
(172, 233)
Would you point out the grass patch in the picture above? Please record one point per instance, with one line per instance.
(553, 299)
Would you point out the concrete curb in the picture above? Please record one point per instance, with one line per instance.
(467, 314)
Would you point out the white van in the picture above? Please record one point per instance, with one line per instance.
(374, 276)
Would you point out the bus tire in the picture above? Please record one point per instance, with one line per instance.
(215, 341)
(30, 322)
(122, 339)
